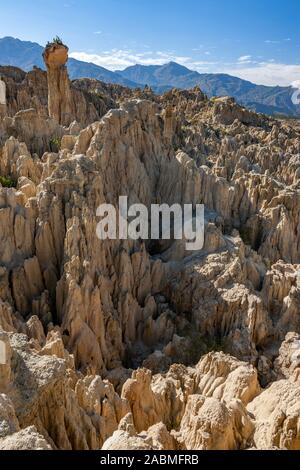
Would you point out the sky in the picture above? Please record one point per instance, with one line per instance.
(258, 40)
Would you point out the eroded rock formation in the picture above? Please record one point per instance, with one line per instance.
(59, 91)
(2, 98)
(135, 344)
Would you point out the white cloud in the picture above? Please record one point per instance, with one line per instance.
(119, 59)
(266, 73)
(269, 41)
(199, 48)
(262, 73)
(296, 84)
(97, 32)
(244, 58)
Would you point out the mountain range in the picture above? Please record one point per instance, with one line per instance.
(26, 55)
(265, 99)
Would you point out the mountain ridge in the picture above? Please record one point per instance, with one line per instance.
(260, 98)
(29, 54)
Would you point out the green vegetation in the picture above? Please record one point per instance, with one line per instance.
(246, 235)
(55, 144)
(57, 40)
(8, 182)
(197, 345)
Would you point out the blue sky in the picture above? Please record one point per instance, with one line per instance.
(256, 40)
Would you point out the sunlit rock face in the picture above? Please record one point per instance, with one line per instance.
(2, 93)
(59, 92)
(56, 55)
(134, 344)
(2, 98)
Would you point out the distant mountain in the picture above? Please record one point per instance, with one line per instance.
(22, 54)
(269, 100)
(171, 74)
(26, 54)
(79, 69)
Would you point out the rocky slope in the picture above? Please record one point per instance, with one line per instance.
(137, 345)
(273, 100)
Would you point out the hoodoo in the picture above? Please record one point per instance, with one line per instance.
(59, 91)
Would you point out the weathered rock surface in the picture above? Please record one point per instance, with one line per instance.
(157, 437)
(277, 414)
(210, 424)
(26, 439)
(123, 344)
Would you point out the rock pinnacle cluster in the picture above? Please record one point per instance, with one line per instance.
(140, 345)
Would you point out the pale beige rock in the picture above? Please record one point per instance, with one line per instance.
(5, 362)
(94, 311)
(68, 142)
(102, 403)
(126, 438)
(121, 440)
(160, 438)
(277, 415)
(288, 362)
(225, 378)
(87, 410)
(8, 420)
(30, 90)
(59, 92)
(26, 439)
(35, 330)
(209, 424)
